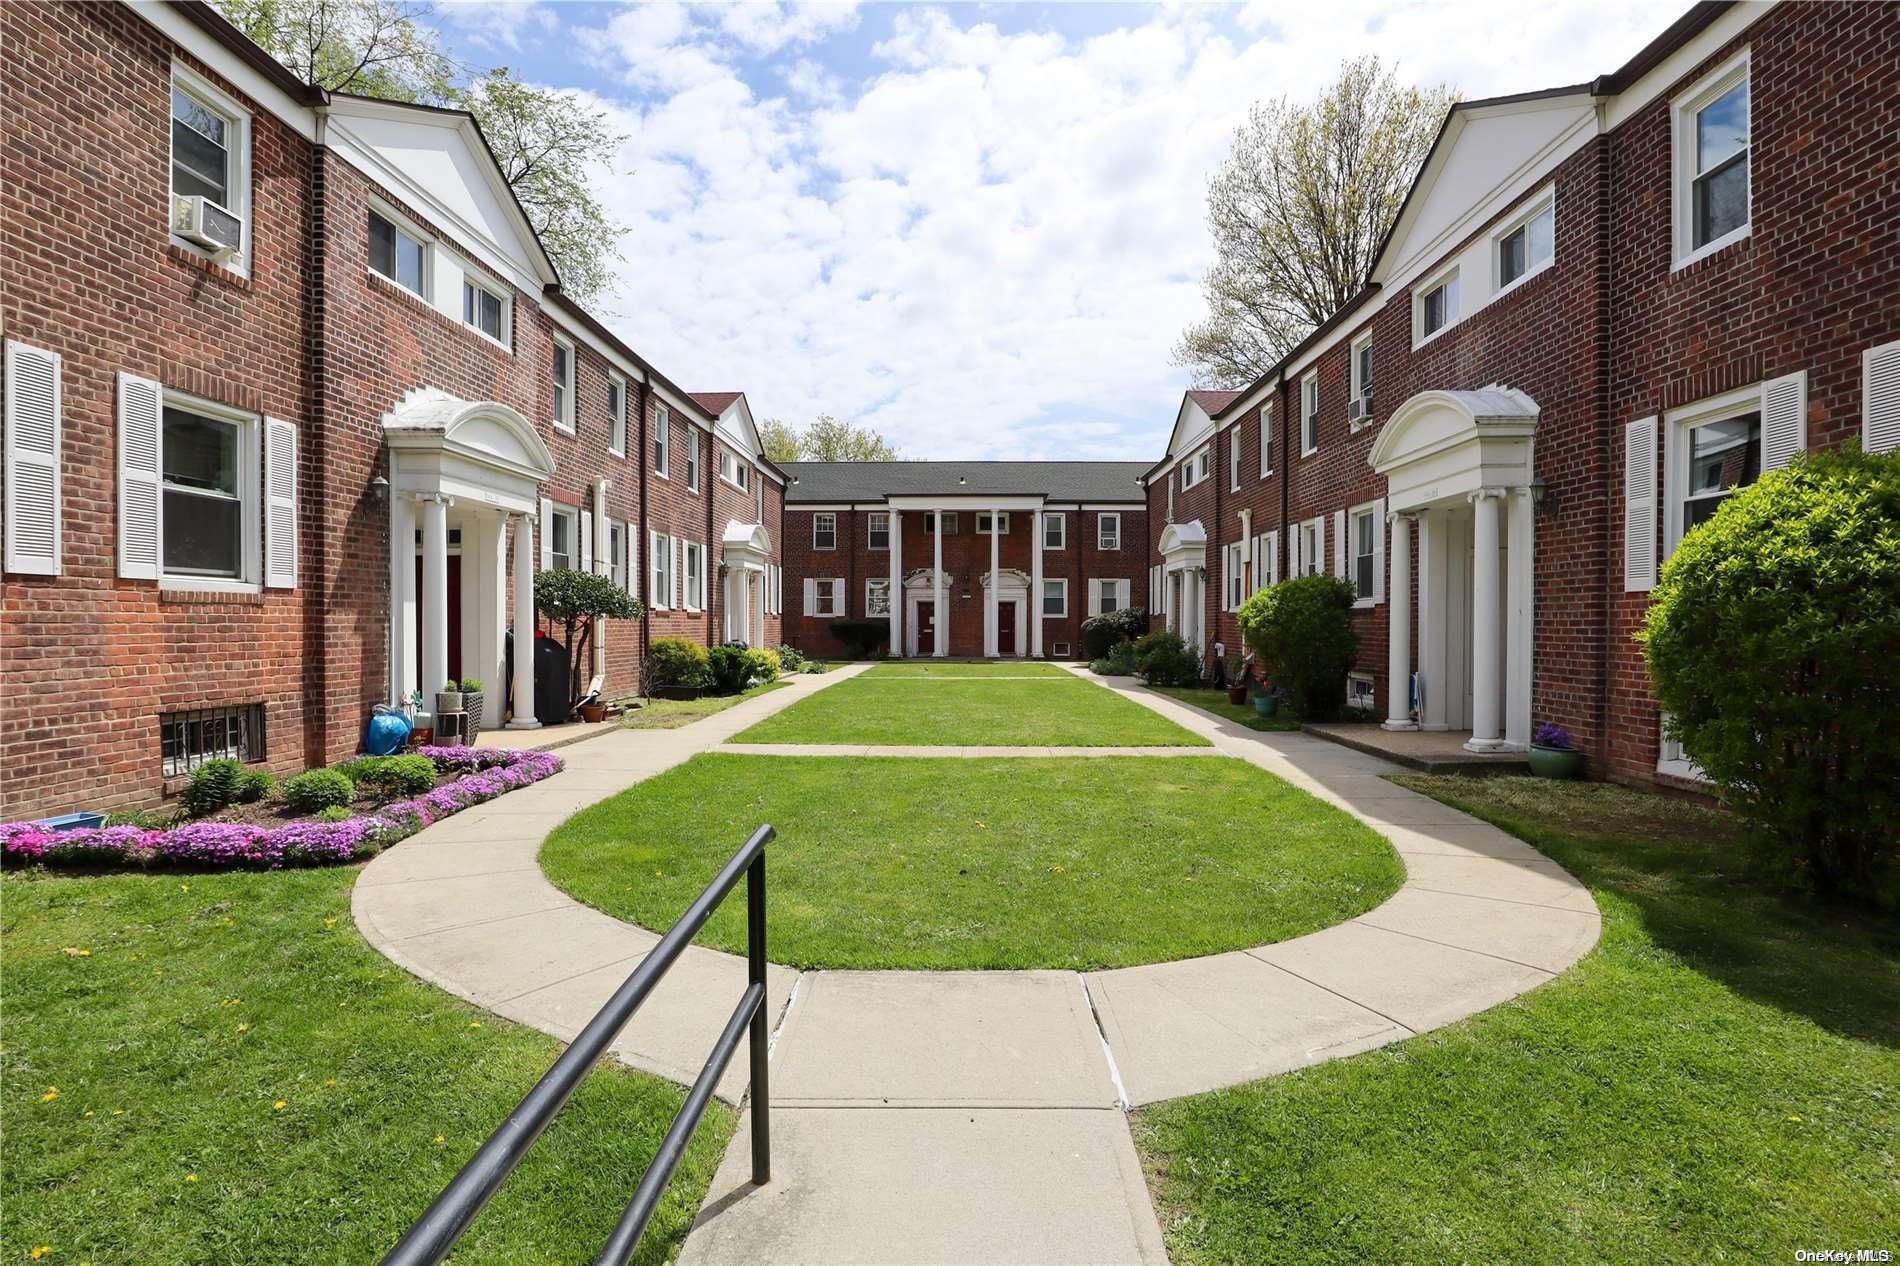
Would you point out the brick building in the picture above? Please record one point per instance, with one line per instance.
(295, 408)
(1602, 308)
(1026, 552)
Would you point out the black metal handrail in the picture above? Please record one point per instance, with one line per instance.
(450, 1214)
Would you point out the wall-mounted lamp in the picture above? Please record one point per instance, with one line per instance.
(379, 488)
(1543, 500)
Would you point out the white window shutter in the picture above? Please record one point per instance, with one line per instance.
(633, 558)
(1378, 550)
(280, 504)
(1784, 419)
(679, 572)
(141, 510)
(547, 534)
(1639, 505)
(1880, 398)
(1273, 557)
(811, 596)
(1339, 544)
(32, 418)
(587, 540)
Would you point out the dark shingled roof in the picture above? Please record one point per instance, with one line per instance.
(714, 402)
(1213, 402)
(873, 481)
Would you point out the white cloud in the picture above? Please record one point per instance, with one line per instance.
(499, 25)
(987, 246)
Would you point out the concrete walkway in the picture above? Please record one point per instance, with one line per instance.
(977, 1116)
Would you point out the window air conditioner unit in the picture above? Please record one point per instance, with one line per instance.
(199, 219)
(1359, 410)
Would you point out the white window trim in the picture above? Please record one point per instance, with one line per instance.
(250, 497)
(693, 472)
(1443, 276)
(821, 517)
(1682, 112)
(949, 517)
(1002, 523)
(694, 590)
(504, 340)
(1355, 386)
(1371, 510)
(1309, 412)
(872, 583)
(236, 115)
(1315, 565)
(1061, 524)
(564, 416)
(1545, 200)
(558, 510)
(870, 541)
(1102, 521)
(1233, 459)
(663, 437)
(619, 421)
(1265, 421)
(738, 464)
(660, 571)
(835, 610)
(1670, 759)
(1234, 582)
(1192, 473)
(424, 238)
(1677, 423)
(1042, 599)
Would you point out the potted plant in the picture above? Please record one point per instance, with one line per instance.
(1236, 680)
(448, 698)
(472, 704)
(1552, 756)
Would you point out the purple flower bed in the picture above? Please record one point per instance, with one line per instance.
(486, 773)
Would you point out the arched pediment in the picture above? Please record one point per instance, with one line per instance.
(485, 432)
(920, 578)
(1433, 421)
(1006, 578)
(1177, 537)
(749, 537)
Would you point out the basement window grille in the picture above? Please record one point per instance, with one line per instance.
(189, 739)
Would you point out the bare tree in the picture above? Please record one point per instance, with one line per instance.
(1298, 211)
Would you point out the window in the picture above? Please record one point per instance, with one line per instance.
(692, 460)
(1109, 596)
(660, 555)
(1722, 456)
(877, 598)
(563, 368)
(1359, 695)
(662, 440)
(396, 253)
(732, 470)
(1712, 159)
(1197, 468)
(949, 518)
(481, 309)
(617, 552)
(1108, 531)
(1309, 414)
(1526, 246)
(695, 576)
(1266, 440)
(617, 416)
(187, 740)
(983, 523)
(1236, 577)
(210, 159)
(877, 530)
(564, 536)
(1362, 380)
(208, 468)
(1266, 566)
(1233, 458)
(824, 531)
(1055, 599)
(1312, 547)
(827, 598)
(1364, 534)
(1437, 307)
(1055, 531)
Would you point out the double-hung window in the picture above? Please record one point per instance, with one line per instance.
(1108, 596)
(692, 460)
(1361, 381)
(1720, 456)
(1309, 414)
(1712, 144)
(397, 254)
(660, 566)
(563, 373)
(210, 159)
(695, 575)
(877, 530)
(946, 522)
(1108, 531)
(877, 597)
(827, 598)
(1435, 306)
(1364, 538)
(1055, 531)
(564, 536)
(482, 309)
(1312, 547)
(1266, 439)
(662, 441)
(1233, 459)
(1055, 599)
(617, 552)
(824, 531)
(1527, 245)
(983, 523)
(1236, 577)
(616, 416)
(208, 479)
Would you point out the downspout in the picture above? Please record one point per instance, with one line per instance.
(646, 541)
(709, 476)
(1606, 335)
(313, 472)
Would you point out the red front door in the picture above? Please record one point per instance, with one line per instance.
(1005, 628)
(926, 628)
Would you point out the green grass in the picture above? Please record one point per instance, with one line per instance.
(952, 863)
(967, 712)
(948, 668)
(173, 1013)
(1215, 701)
(1715, 1081)
(670, 714)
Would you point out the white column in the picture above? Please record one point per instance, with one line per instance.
(524, 625)
(1035, 584)
(1398, 610)
(991, 633)
(402, 598)
(941, 647)
(897, 583)
(1518, 599)
(1486, 612)
(435, 595)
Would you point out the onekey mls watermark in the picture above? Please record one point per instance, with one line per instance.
(1843, 1255)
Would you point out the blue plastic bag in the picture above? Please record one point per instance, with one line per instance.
(387, 731)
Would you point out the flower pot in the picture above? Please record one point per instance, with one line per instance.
(593, 713)
(1237, 695)
(472, 704)
(1556, 762)
(1265, 705)
(448, 701)
(422, 736)
(678, 692)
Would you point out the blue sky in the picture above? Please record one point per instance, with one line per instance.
(975, 227)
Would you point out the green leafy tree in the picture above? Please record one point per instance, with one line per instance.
(1301, 630)
(550, 144)
(1298, 211)
(574, 600)
(779, 439)
(827, 439)
(1773, 638)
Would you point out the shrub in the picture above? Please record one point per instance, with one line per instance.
(407, 775)
(335, 813)
(318, 789)
(761, 665)
(727, 670)
(1773, 637)
(254, 785)
(1100, 632)
(862, 637)
(678, 662)
(790, 659)
(1118, 662)
(213, 785)
(143, 819)
(1163, 659)
(1301, 629)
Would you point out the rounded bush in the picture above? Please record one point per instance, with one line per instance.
(335, 813)
(727, 670)
(791, 659)
(1301, 629)
(1100, 632)
(407, 775)
(255, 785)
(678, 662)
(1163, 659)
(213, 785)
(1773, 638)
(318, 789)
(762, 665)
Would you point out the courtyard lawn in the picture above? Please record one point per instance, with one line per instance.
(949, 668)
(670, 714)
(1215, 701)
(217, 1068)
(969, 711)
(952, 863)
(1715, 1081)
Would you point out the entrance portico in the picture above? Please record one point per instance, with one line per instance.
(1016, 631)
(1458, 464)
(1184, 582)
(746, 549)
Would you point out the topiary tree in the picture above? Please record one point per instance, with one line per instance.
(1302, 631)
(1773, 639)
(574, 600)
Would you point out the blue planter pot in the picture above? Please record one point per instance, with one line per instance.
(1265, 705)
(1556, 762)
